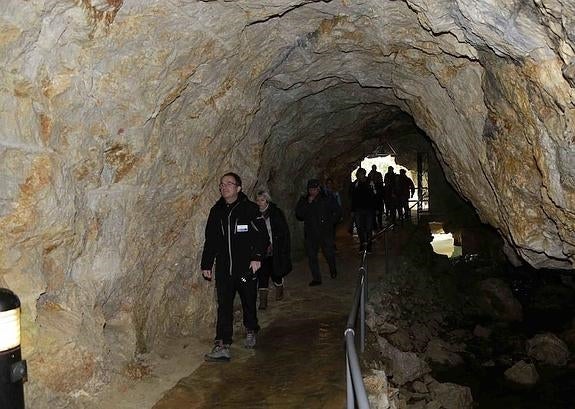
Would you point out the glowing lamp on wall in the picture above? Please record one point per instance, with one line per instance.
(13, 369)
(9, 329)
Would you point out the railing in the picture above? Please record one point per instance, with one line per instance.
(355, 387)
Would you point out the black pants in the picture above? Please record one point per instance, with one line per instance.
(390, 210)
(226, 287)
(364, 223)
(379, 211)
(265, 272)
(403, 209)
(312, 246)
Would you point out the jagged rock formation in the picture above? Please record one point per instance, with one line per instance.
(118, 117)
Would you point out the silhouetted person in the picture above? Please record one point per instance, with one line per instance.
(334, 195)
(376, 179)
(389, 195)
(236, 238)
(405, 189)
(319, 214)
(277, 261)
(362, 208)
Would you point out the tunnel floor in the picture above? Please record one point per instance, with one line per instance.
(299, 361)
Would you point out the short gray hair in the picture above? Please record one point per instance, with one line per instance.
(265, 194)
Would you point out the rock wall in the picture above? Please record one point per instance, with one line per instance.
(119, 116)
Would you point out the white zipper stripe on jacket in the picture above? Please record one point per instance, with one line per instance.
(230, 237)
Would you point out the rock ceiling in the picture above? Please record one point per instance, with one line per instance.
(119, 116)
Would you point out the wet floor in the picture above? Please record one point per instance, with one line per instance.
(297, 365)
(299, 361)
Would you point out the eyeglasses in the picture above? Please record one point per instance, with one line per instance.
(227, 184)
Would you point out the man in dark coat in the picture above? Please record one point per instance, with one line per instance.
(389, 195)
(363, 203)
(236, 238)
(319, 214)
(376, 179)
(405, 189)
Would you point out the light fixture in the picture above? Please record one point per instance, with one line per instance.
(13, 369)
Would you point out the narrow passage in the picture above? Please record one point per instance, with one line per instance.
(299, 361)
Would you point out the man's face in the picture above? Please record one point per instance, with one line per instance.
(313, 191)
(229, 189)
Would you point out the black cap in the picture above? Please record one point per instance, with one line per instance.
(8, 300)
(312, 183)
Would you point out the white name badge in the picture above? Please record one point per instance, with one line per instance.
(241, 228)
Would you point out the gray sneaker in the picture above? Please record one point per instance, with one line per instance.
(250, 342)
(220, 352)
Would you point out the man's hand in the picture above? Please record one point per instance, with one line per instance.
(207, 274)
(255, 265)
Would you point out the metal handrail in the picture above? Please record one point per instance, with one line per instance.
(354, 379)
(355, 387)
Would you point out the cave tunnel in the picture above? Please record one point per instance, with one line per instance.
(120, 116)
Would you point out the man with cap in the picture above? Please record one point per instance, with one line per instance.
(319, 214)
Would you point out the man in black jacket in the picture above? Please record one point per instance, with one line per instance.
(363, 202)
(319, 214)
(236, 238)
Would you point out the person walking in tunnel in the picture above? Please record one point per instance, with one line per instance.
(405, 190)
(376, 179)
(333, 195)
(319, 214)
(363, 207)
(236, 239)
(277, 260)
(389, 197)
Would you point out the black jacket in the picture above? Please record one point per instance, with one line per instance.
(235, 235)
(362, 196)
(281, 243)
(404, 187)
(319, 217)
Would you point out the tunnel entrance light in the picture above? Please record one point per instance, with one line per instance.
(13, 370)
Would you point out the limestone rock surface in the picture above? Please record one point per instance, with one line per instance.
(119, 116)
(496, 300)
(549, 349)
(452, 396)
(522, 373)
(403, 366)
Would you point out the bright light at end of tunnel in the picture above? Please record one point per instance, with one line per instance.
(9, 329)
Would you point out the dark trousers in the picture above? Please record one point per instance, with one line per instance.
(379, 216)
(364, 223)
(312, 246)
(226, 287)
(265, 272)
(390, 211)
(403, 209)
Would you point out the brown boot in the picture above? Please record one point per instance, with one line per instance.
(279, 292)
(263, 299)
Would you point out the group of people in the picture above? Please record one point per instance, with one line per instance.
(249, 242)
(374, 195)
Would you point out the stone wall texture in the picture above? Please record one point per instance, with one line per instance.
(118, 116)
